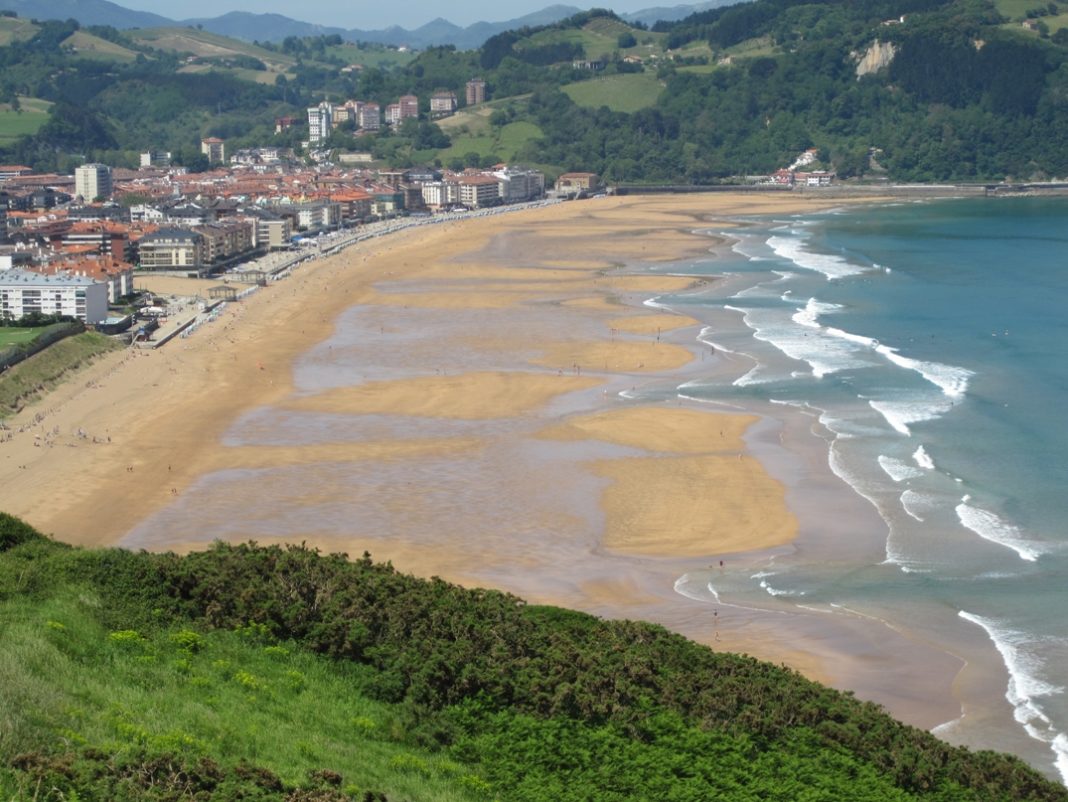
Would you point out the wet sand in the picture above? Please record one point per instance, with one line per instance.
(486, 400)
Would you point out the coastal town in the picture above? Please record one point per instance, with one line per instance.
(76, 245)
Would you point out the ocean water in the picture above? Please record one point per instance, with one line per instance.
(927, 343)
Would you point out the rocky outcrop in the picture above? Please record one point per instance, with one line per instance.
(878, 55)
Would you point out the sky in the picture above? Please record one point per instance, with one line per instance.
(373, 14)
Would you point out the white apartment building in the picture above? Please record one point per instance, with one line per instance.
(320, 122)
(517, 185)
(23, 292)
(92, 181)
(440, 193)
(477, 191)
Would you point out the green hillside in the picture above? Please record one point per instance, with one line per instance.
(85, 45)
(969, 94)
(626, 93)
(247, 673)
(25, 120)
(16, 29)
(202, 50)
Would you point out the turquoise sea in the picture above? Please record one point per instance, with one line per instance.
(928, 345)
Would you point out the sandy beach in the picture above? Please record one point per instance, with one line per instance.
(483, 406)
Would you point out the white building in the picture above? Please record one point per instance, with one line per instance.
(320, 122)
(477, 191)
(23, 292)
(440, 193)
(517, 184)
(92, 181)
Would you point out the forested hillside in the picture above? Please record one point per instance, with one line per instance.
(920, 90)
(278, 673)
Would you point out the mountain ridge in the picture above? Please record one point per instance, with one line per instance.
(270, 27)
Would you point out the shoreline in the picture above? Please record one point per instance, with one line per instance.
(166, 413)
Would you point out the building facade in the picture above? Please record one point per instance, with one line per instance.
(171, 249)
(477, 191)
(214, 148)
(476, 91)
(370, 117)
(23, 292)
(320, 122)
(442, 103)
(92, 181)
(409, 107)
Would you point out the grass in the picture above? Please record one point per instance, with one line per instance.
(32, 115)
(16, 29)
(70, 682)
(1016, 10)
(14, 336)
(504, 143)
(626, 93)
(203, 43)
(600, 37)
(28, 379)
(93, 47)
(751, 48)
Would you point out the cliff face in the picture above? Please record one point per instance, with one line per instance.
(878, 55)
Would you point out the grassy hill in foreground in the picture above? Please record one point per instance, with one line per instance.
(268, 673)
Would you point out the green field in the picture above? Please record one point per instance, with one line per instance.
(32, 115)
(504, 143)
(86, 45)
(626, 93)
(14, 336)
(190, 41)
(14, 29)
(600, 38)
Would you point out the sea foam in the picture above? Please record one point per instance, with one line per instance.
(923, 459)
(897, 469)
(901, 413)
(830, 265)
(1025, 686)
(992, 527)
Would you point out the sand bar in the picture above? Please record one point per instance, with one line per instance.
(134, 437)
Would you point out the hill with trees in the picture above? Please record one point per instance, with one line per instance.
(914, 90)
(250, 673)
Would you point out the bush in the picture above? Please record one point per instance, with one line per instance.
(14, 532)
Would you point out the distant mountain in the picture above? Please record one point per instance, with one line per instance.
(87, 12)
(250, 27)
(648, 16)
(442, 32)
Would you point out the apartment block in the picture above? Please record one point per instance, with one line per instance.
(214, 148)
(171, 249)
(92, 181)
(320, 122)
(23, 292)
(476, 91)
(443, 103)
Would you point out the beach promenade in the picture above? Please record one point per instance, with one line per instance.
(482, 370)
